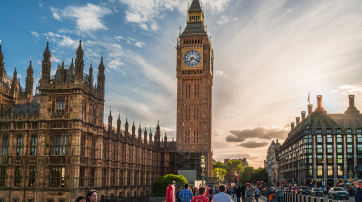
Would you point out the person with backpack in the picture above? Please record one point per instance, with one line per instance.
(257, 194)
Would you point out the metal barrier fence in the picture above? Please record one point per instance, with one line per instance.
(292, 197)
(121, 199)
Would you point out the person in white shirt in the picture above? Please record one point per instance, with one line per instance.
(221, 196)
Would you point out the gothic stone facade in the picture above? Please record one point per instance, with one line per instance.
(54, 145)
(322, 148)
(194, 74)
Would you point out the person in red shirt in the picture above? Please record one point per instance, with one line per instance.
(201, 197)
(207, 191)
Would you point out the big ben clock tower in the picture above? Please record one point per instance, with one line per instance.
(194, 87)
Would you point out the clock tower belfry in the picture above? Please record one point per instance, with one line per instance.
(194, 74)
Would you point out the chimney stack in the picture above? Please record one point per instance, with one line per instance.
(292, 125)
(303, 115)
(310, 109)
(297, 120)
(319, 101)
(351, 102)
(352, 109)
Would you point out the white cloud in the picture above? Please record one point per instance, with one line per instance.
(219, 72)
(55, 13)
(34, 34)
(223, 19)
(118, 38)
(115, 64)
(67, 41)
(350, 89)
(54, 59)
(144, 13)
(88, 17)
(19, 75)
(334, 91)
(139, 44)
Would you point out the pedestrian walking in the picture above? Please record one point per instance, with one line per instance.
(185, 194)
(81, 199)
(243, 189)
(221, 196)
(257, 194)
(272, 195)
(280, 192)
(238, 194)
(178, 198)
(358, 196)
(234, 192)
(200, 197)
(92, 196)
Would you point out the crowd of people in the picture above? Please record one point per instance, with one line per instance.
(213, 194)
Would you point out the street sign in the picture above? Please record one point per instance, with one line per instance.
(345, 177)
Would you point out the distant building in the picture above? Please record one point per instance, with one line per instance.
(243, 160)
(271, 163)
(323, 149)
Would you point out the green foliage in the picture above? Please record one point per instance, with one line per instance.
(246, 175)
(236, 165)
(160, 184)
(222, 173)
(219, 164)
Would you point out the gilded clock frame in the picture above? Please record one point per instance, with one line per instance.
(185, 50)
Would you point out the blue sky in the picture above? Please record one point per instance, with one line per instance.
(268, 55)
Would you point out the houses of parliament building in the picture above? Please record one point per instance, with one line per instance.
(54, 143)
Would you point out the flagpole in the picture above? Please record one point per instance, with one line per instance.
(309, 106)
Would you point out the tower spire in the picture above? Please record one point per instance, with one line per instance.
(1, 56)
(79, 62)
(46, 64)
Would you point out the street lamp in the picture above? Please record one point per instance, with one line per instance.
(202, 168)
(350, 174)
(217, 175)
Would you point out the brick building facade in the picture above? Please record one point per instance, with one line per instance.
(194, 73)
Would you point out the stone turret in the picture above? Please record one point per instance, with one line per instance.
(29, 82)
(110, 118)
(145, 136)
(79, 63)
(119, 125)
(46, 66)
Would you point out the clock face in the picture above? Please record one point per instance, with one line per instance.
(192, 58)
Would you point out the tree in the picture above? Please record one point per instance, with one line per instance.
(260, 174)
(218, 164)
(236, 165)
(159, 186)
(246, 175)
(222, 173)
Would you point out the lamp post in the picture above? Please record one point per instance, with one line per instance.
(202, 168)
(217, 175)
(350, 174)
